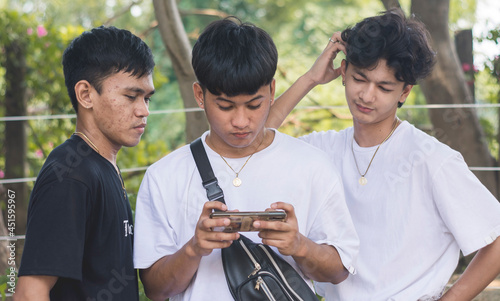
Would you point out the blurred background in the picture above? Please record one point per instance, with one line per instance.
(458, 103)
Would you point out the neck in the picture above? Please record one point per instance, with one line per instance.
(219, 146)
(367, 135)
(99, 143)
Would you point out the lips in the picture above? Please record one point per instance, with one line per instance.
(241, 134)
(363, 109)
(140, 127)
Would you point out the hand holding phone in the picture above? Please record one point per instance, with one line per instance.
(243, 221)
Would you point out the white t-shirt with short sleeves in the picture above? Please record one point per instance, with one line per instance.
(171, 199)
(420, 207)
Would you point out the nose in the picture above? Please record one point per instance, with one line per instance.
(368, 94)
(240, 118)
(142, 109)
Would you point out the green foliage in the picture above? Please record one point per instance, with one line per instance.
(488, 91)
(4, 283)
(43, 45)
(300, 29)
(462, 14)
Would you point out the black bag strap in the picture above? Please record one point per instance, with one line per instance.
(214, 192)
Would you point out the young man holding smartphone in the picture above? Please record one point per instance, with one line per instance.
(413, 200)
(177, 251)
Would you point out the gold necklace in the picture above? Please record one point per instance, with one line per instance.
(88, 140)
(237, 180)
(82, 135)
(363, 181)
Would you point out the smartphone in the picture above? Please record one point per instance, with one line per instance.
(243, 221)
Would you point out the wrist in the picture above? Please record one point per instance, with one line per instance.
(307, 80)
(303, 248)
(191, 250)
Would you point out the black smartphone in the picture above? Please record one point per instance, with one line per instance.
(243, 221)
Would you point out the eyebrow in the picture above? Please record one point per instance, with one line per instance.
(391, 83)
(246, 102)
(140, 91)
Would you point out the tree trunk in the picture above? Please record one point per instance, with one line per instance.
(179, 49)
(391, 3)
(457, 127)
(15, 133)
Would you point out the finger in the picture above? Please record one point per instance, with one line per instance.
(222, 236)
(271, 225)
(216, 244)
(209, 206)
(288, 208)
(337, 37)
(336, 42)
(207, 224)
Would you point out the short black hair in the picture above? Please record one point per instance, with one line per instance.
(101, 52)
(402, 42)
(234, 58)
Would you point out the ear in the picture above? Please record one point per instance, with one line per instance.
(198, 95)
(82, 91)
(343, 68)
(273, 90)
(405, 93)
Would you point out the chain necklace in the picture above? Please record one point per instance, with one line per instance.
(363, 181)
(82, 135)
(237, 180)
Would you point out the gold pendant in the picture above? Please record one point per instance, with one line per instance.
(237, 182)
(362, 181)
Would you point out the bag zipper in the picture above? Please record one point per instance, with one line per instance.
(262, 284)
(279, 272)
(283, 288)
(255, 263)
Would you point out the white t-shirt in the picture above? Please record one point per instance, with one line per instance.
(421, 205)
(171, 199)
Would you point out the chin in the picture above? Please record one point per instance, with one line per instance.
(132, 143)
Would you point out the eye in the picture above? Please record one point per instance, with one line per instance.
(131, 97)
(385, 90)
(147, 99)
(254, 107)
(224, 108)
(357, 79)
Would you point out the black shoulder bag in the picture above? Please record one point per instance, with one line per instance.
(253, 271)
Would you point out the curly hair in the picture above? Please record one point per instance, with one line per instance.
(402, 42)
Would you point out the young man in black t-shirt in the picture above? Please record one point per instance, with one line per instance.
(80, 230)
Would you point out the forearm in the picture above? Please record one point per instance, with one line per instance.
(36, 288)
(171, 274)
(320, 262)
(483, 268)
(285, 103)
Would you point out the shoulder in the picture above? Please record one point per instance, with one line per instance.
(312, 157)
(420, 143)
(74, 160)
(327, 140)
(173, 163)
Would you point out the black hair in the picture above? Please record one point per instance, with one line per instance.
(234, 58)
(101, 52)
(403, 43)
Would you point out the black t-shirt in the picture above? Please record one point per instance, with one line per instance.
(80, 227)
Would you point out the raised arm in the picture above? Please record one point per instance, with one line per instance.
(172, 274)
(321, 72)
